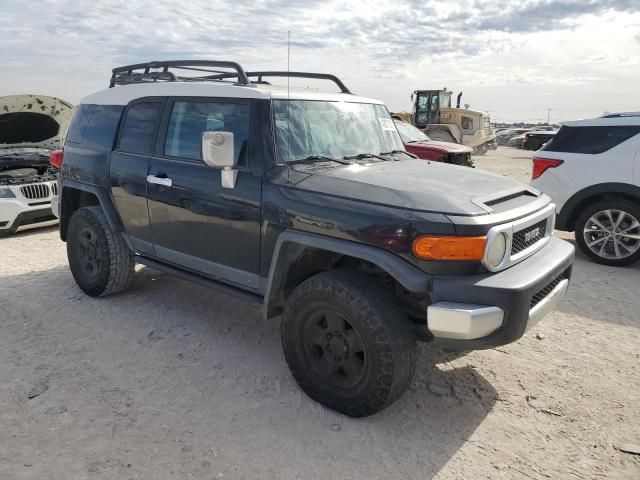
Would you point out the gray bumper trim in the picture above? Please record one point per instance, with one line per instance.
(548, 303)
(463, 321)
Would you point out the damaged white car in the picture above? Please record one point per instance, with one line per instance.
(31, 127)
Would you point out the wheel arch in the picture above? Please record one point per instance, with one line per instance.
(297, 256)
(572, 208)
(75, 195)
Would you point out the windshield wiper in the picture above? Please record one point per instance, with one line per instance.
(321, 158)
(361, 156)
(394, 152)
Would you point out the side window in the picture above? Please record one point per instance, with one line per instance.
(467, 123)
(190, 119)
(139, 128)
(591, 140)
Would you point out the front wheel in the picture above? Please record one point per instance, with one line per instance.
(348, 343)
(609, 232)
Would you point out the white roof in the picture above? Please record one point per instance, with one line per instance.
(123, 94)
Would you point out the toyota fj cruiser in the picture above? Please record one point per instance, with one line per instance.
(307, 203)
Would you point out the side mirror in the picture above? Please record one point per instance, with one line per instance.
(218, 152)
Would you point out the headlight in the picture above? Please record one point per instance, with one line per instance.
(496, 250)
(5, 192)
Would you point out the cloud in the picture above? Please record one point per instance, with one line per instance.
(71, 45)
(129, 30)
(547, 15)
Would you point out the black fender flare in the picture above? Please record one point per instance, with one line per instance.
(291, 244)
(104, 199)
(572, 207)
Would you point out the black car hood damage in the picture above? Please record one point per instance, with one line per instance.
(413, 185)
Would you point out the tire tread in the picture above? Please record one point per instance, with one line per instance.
(385, 319)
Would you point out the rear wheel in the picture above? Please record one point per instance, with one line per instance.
(609, 232)
(348, 343)
(100, 260)
(480, 150)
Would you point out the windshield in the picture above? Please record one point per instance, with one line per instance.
(410, 134)
(306, 128)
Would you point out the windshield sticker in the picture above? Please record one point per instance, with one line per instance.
(387, 124)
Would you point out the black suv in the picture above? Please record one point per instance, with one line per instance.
(307, 203)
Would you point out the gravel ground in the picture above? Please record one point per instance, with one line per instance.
(173, 381)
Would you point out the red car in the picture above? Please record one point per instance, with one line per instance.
(417, 142)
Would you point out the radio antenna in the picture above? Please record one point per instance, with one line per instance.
(288, 95)
(288, 60)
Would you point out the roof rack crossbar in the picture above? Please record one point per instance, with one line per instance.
(125, 74)
(320, 76)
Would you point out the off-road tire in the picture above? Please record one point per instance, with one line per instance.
(441, 136)
(381, 324)
(619, 204)
(111, 258)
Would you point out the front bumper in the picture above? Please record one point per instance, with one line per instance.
(484, 311)
(20, 212)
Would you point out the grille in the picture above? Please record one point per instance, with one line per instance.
(526, 237)
(538, 297)
(34, 192)
(54, 188)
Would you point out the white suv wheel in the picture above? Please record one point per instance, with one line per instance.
(612, 234)
(609, 232)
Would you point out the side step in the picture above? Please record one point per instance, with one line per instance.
(249, 297)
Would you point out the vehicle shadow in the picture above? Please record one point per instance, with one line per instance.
(617, 288)
(169, 361)
(30, 232)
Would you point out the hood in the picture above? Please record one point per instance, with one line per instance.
(33, 122)
(417, 185)
(448, 147)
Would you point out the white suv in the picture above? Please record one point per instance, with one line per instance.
(591, 169)
(30, 128)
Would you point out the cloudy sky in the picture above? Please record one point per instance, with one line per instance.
(513, 58)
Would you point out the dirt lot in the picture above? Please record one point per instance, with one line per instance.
(172, 381)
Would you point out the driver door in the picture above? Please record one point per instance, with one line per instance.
(196, 223)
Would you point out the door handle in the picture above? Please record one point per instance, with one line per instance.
(165, 182)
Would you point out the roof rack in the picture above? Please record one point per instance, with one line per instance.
(127, 75)
(319, 76)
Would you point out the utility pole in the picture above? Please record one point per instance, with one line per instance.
(548, 115)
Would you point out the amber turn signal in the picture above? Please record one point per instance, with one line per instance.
(449, 248)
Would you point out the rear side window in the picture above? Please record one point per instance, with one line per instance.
(190, 119)
(139, 128)
(79, 123)
(592, 140)
(94, 126)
